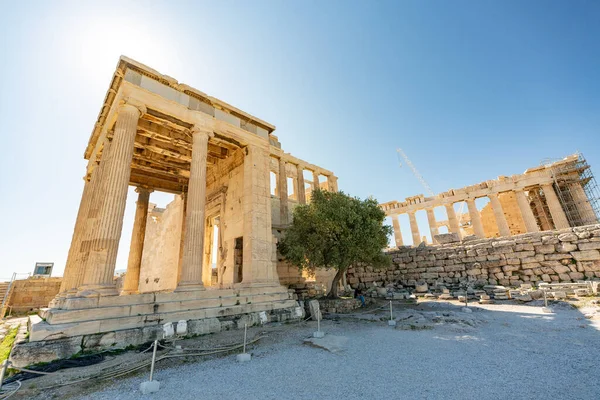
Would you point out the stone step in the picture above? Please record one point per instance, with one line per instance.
(42, 330)
(56, 316)
(80, 303)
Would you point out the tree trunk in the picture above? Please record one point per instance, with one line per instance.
(333, 292)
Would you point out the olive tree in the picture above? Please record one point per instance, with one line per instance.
(336, 231)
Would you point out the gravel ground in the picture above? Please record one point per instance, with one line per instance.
(518, 352)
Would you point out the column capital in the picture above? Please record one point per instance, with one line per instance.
(141, 189)
(202, 130)
(139, 106)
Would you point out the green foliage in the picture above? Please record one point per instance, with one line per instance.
(336, 231)
(7, 343)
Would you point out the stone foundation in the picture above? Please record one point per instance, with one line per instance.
(28, 353)
(567, 255)
(339, 306)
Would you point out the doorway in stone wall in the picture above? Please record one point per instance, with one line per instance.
(238, 271)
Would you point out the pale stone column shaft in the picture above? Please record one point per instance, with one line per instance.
(556, 211)
(539, 209)
(182, 237)
(397, 231)
(503, 228)
(283, 193)
(332, 183)
(91, 221)
(526, 212)
(69, 276)
(193, 248)
(99, 274)
(475, 218)
(414, 228)
(258, 266)
(432, 224)
(132, 276)
(301, 195)
(452, 220)
(316, 184)
(582, 203)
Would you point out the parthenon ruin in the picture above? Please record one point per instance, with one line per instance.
(555, 195)
(157, 134)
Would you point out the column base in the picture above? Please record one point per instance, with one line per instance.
(97, 291)
(128, 292)
(189, 286)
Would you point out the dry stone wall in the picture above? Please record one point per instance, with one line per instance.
(567, 255)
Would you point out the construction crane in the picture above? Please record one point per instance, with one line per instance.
(414, 170)
(422, 180)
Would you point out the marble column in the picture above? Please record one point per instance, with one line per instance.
(301, 195)
(543, 218)
(283, 193)
(257, 260)
(452, 220)
(131, 282)
(503, 228)
(397, 231)
(182, 236)
(104, 243)
(69, 279)
(91, 222)
(432, 224)
(193, 245)
(582, 204)
(332, 184)
(526, 211)
(475, 218)
(556, 211)
(316, 184)
(414, 228)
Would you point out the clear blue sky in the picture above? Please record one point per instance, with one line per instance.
(469, 89)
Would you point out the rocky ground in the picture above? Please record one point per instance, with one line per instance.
(436, 350)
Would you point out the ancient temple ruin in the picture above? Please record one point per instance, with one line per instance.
(555, 195)
(157, 134)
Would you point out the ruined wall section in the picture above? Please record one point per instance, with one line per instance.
(566, 255)
(32, 294)
(160, 258)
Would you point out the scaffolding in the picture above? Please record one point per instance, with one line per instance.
(576, 189)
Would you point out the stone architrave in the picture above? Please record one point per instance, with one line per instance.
(526, 212)
(475, 218)
(503, 228)
(414, 228)
(193, 247)
(132, 277)
(104, 243)
(556, 211)
(397, 231)
(283, 193)
(432, 224)
(452, 220)
(301, 195)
